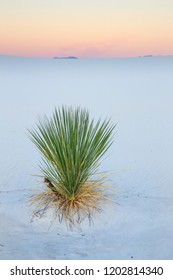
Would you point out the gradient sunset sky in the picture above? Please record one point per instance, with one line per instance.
(86, 28)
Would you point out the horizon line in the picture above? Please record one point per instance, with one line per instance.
(76, 57)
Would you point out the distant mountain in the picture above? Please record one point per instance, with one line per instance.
(66, 57)
(148, 55)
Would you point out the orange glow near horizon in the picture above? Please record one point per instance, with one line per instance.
(105, 30)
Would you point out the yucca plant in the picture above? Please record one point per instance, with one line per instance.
(72, 146)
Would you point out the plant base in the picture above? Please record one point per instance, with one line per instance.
(73, 211)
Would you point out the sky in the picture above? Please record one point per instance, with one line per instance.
(86, 28)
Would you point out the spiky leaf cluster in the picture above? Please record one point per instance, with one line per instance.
(71, 146)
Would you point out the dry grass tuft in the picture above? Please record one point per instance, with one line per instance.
(86, 203)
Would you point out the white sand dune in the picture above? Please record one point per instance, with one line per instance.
(138, 94)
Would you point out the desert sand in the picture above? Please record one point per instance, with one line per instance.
(137, 94)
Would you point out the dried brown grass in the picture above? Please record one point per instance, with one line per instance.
(85, 204)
